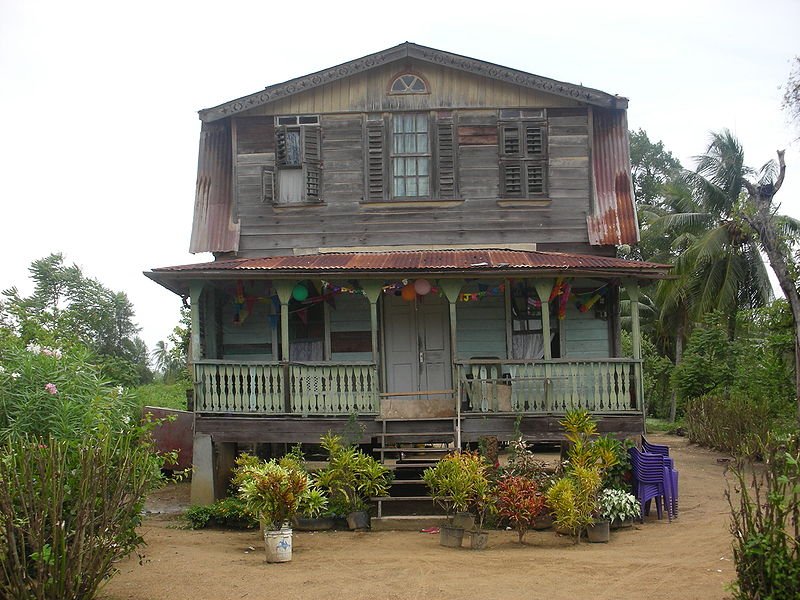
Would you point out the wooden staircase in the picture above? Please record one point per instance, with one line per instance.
(408, 447)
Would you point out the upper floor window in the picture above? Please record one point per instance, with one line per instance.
(296, 178)
(523, 158)
(408, 83)
(411, 156)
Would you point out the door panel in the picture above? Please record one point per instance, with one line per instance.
(417, 342)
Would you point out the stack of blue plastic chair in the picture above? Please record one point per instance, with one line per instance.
(652, 481)
(664, 451)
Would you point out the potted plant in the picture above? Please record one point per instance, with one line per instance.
(619, 507)
(574, 498)
(351, 478)
(457, 483)
(522, 462)
(272, 491)
(520, 501)
(482, 505)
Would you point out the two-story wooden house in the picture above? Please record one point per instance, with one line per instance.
(420, 241)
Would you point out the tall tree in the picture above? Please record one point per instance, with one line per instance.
(791, 92)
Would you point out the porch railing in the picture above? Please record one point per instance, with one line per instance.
(223, 386)
(555, 386)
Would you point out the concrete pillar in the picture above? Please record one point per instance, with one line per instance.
(202, 470)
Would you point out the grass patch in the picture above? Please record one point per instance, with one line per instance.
(162, 395)
(662, 425)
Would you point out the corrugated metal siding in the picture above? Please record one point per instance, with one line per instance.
(422, 260)
(213, 228)
(614, 219)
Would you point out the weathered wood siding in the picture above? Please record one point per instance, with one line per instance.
(585, 336)
(350, 318)
(250, 340)
(481, 327)
(478, 216)
(367, 92)
(464, 111)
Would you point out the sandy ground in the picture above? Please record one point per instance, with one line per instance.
(689, 558)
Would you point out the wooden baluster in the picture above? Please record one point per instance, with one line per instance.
(626, 380)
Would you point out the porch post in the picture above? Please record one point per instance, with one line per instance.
(543, 289)
(284, 290)
(636, 341)
(195, 290)
(451, 289)
(372, 290)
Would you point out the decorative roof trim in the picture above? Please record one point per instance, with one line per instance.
(425, 54)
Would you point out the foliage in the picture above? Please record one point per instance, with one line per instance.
(573, 498)
(519, 500)
(656, 373)
(228, 512)
(726, 422)
(791, 92)
(351, 477)
(458, 482)
(765, 520)
(70, 309)
(618, 504)
(171, 357)
(618, 473)
(522, 462)
(271, 490)
(709, 360)
(652, 168)
(162, 395)
(47, 391)
(69, 511)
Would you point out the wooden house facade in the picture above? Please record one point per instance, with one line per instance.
(418, 241)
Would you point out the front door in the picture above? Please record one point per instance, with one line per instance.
(417, 342)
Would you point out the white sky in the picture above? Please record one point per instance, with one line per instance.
(98, 145)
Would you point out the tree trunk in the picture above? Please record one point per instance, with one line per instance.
(763, 222)
(673, 405)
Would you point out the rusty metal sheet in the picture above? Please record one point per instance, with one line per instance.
(173, 434)
(422, 260)
(214, 228)
(614, 220)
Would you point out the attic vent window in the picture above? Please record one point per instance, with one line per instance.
(409, 84)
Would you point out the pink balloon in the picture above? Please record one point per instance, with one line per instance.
(422, 286)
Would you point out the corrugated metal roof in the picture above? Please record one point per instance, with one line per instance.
(424, 260)
(214, 228)
(614, 219)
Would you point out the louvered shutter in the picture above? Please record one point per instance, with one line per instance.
(511, 179)
(535, 178)
(267, 184)
(312, 163)
(446, 154)
(376, 181)
(534, 140)
(280, 147)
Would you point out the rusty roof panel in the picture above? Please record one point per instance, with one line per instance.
(423, 260)
(614, 220)
(214, 228)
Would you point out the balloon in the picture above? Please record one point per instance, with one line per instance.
(409, 293)
(422, 286)
(300, 292)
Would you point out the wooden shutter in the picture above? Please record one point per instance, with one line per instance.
(535, 178)
(312, 163)
(267, 184)
(376, 180)
(446, 163)
(511, 179)
(534, 140)
(511, 142)
(280, 146)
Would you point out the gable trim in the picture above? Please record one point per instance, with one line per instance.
(423, 53)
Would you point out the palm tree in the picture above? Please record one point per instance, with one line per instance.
(724, 266)
(162, 356)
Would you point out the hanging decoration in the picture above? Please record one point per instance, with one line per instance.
(242, 306)
(483, 292)
(563, 300)
(300, 292)
(422, 287)
(408, 293)
(592, 298)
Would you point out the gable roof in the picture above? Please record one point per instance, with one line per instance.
(422, 53)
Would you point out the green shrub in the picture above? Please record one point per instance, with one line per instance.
(69, 511)
(726, 422)
(162, 395)
(765, 520)
(709, 361)
(229, 512)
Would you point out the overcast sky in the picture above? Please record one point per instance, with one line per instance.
(98, 150)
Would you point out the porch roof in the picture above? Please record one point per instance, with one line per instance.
(492, 262)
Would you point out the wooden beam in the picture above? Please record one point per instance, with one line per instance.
(284, 289)
(372, 289)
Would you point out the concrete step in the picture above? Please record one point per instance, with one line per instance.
(407, 522)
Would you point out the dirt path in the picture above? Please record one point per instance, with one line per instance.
(690, 558)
